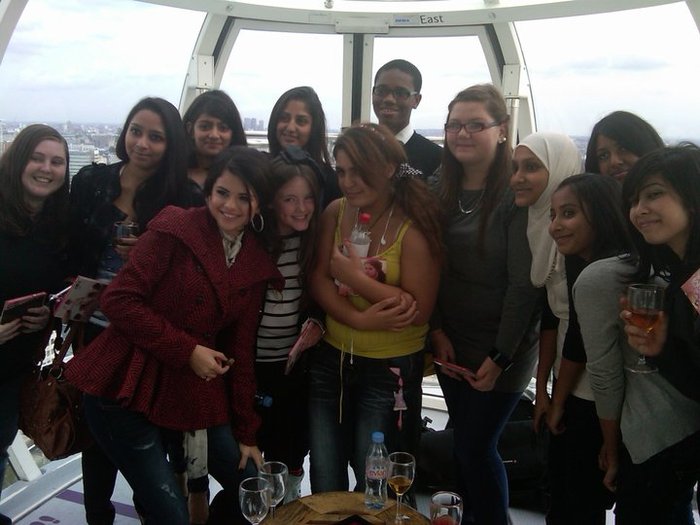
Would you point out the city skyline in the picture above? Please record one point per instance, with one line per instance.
(97, 74)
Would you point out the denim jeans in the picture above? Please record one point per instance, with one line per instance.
(351, 397)
(136, 447)
(478, 419)
(9, 414)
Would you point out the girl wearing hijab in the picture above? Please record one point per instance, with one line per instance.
(540, 163)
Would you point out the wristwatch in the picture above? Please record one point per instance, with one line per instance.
(502, 360)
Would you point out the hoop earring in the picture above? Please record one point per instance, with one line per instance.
(255, 227)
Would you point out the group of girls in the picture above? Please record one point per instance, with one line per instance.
(152, 371)
(616, 434)
(225, 264)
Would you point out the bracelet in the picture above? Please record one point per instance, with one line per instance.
(317, 323)
(502, 360)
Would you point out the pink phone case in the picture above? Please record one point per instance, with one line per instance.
(17, 307)
(454, 368)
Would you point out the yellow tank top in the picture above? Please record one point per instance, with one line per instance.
(376, 344)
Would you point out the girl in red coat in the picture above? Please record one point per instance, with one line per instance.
(186, 302)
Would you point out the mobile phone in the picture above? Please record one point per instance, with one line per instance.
(18, 307)
(452, 367)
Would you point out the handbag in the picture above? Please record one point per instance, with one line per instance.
(51, 408)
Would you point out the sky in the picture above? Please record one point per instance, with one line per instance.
(67, 62)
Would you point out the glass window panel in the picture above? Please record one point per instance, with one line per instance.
(72, 60)
(261, 67)
(644, 61)
(440, 83)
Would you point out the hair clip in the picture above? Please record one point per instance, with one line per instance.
(406, 171)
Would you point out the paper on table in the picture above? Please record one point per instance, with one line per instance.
(342, 503)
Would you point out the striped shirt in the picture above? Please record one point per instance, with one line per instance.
(279, 325)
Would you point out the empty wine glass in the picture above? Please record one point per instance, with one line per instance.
(645, 302)
(445, 508)
(402, 469)
(254, 498)
(276, 473)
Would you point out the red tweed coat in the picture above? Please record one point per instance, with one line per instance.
(176, 292)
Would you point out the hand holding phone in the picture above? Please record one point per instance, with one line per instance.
(19, 306)
(453, 367)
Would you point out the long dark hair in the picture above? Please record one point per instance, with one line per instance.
(253, 168)
(281, 172)
(317, 147)
(15, 217)
(451, 170)
(169, 184)
(600, 197)
(627, 129)
(219, 105)
(372, 148)
(680, 168)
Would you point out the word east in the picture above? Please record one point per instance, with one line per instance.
(437, 19)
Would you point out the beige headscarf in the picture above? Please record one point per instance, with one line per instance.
(562, 159)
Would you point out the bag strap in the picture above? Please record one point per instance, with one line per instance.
(65, 345)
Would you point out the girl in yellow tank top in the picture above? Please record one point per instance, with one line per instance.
(366, 375)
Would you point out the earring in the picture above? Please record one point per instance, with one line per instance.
(255, 227)
(501, 140)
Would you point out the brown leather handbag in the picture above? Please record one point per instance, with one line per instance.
(51, 408)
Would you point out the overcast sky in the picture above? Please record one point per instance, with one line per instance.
(70, 62)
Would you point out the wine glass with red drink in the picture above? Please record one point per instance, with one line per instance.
(645, 302)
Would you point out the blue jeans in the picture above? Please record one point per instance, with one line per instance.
(350, 401)
(478, 419)
(135, 445)
(9, 414)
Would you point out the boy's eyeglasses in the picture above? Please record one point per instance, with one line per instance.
(470, 127)
(400, 93)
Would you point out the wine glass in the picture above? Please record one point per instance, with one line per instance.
(254, 497)
(276, 473)
(402, 469)
(445, 508)
(645, 302)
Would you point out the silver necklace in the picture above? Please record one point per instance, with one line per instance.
(473, 208)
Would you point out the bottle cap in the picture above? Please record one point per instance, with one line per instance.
(364, 218)
(377, 437)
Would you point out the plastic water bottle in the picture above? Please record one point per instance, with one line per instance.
(376, 470)
(359, 236)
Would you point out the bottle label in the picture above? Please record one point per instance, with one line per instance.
(376, 472)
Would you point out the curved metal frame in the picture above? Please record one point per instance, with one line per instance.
(489, 20)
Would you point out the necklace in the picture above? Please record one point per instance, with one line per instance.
(473, 208)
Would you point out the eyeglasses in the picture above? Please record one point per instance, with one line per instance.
(400, 93)
(470, 127)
